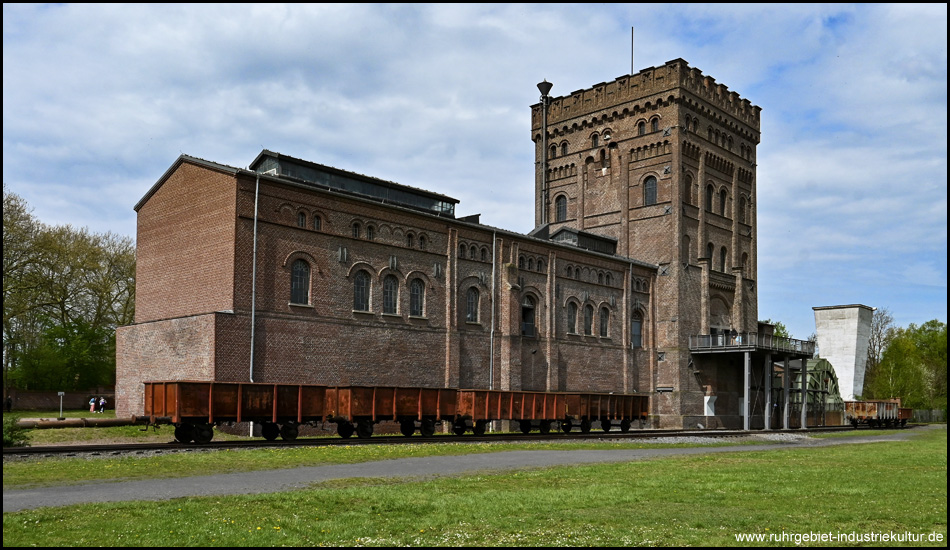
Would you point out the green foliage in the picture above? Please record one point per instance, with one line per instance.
(780, 329)
(913, 367)
(65, 290)
(13, 435)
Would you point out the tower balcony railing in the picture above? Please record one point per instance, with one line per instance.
(750, 340)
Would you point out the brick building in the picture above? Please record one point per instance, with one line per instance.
(639, 277)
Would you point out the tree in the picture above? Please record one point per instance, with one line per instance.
(780, 329)
(913, 366)
(65, 292)
(882, 326)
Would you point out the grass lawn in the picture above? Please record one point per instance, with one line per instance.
(855, 490)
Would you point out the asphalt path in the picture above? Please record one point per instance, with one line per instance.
(272, 481)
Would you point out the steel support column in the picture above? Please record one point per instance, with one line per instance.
(746, 373)
(767, 383)
(786, 391)
(804, 393)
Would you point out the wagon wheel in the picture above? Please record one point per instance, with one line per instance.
(364, 429)
(203, 433)
(459, 427)
(407, 427)
(585, 425)
(566, 425)
(289, 431)
(525, 426)
(625, 425)
(427, 427)
(605, 424)
(345, 429)
(545, 427)
(184, 433)
(479, 427)
(270, 431)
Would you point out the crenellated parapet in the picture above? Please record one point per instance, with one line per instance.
(645, 91)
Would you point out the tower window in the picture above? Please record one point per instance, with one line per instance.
(417, 294)
(655, 125)
(604, 321)
(649, 191)
(588, 320)
(361, 291)
(301, 220)
(471, 305)
(595, 140)
(356, 230)
(564, 149)
(636, 331)
(527, 317)
(560, 208)
(390, 294)
(300, 283)
(571, 318)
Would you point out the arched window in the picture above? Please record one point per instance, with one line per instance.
(604, 321)
(356, 230)
(588, 320)
(641, 128)
(530, 264)
(686, 252)
(710, 250)
(742, 209)
(709, 197)
(560, 208)
(301, 219)
(571, 318)
(577, 273)
(520, 262)
(417, 296)
(317, 223)
(649, 191)
(390, 294)
(527, 317)
(607, 279)
(722, 202)
(472, 252)
(370, 232)
(595, 140)
(600, 278)
(722, 259)
(300, 282)
(540, 265)
(361, 291)
(484, 254)
(745, 263)
(688, 190)
(422, 242)
(636, 330)
(655, 125)
(553, 152)
(462, 250)
(410, 240)
(570, 271)
(471, 305)
(564, 149)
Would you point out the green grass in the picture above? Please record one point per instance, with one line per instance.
(70, 471)
(684, 501)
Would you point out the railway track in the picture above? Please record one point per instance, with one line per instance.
(176, 447)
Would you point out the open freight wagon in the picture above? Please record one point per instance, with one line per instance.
(195, 407)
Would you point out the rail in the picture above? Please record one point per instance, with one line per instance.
(747, 340)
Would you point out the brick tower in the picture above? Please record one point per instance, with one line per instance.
(664, 162)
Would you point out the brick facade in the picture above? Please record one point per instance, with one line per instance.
(661, 163)
(196, 252)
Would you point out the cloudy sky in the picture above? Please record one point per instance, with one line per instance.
(99, 100)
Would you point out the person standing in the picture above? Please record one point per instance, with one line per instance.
(102, 405)
(92, 404)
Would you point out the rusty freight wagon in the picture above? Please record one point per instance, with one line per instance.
(359, 408)
(876, 414)
(547, 410)
(196, 407)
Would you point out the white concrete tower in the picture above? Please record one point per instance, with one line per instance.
(843, 334)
